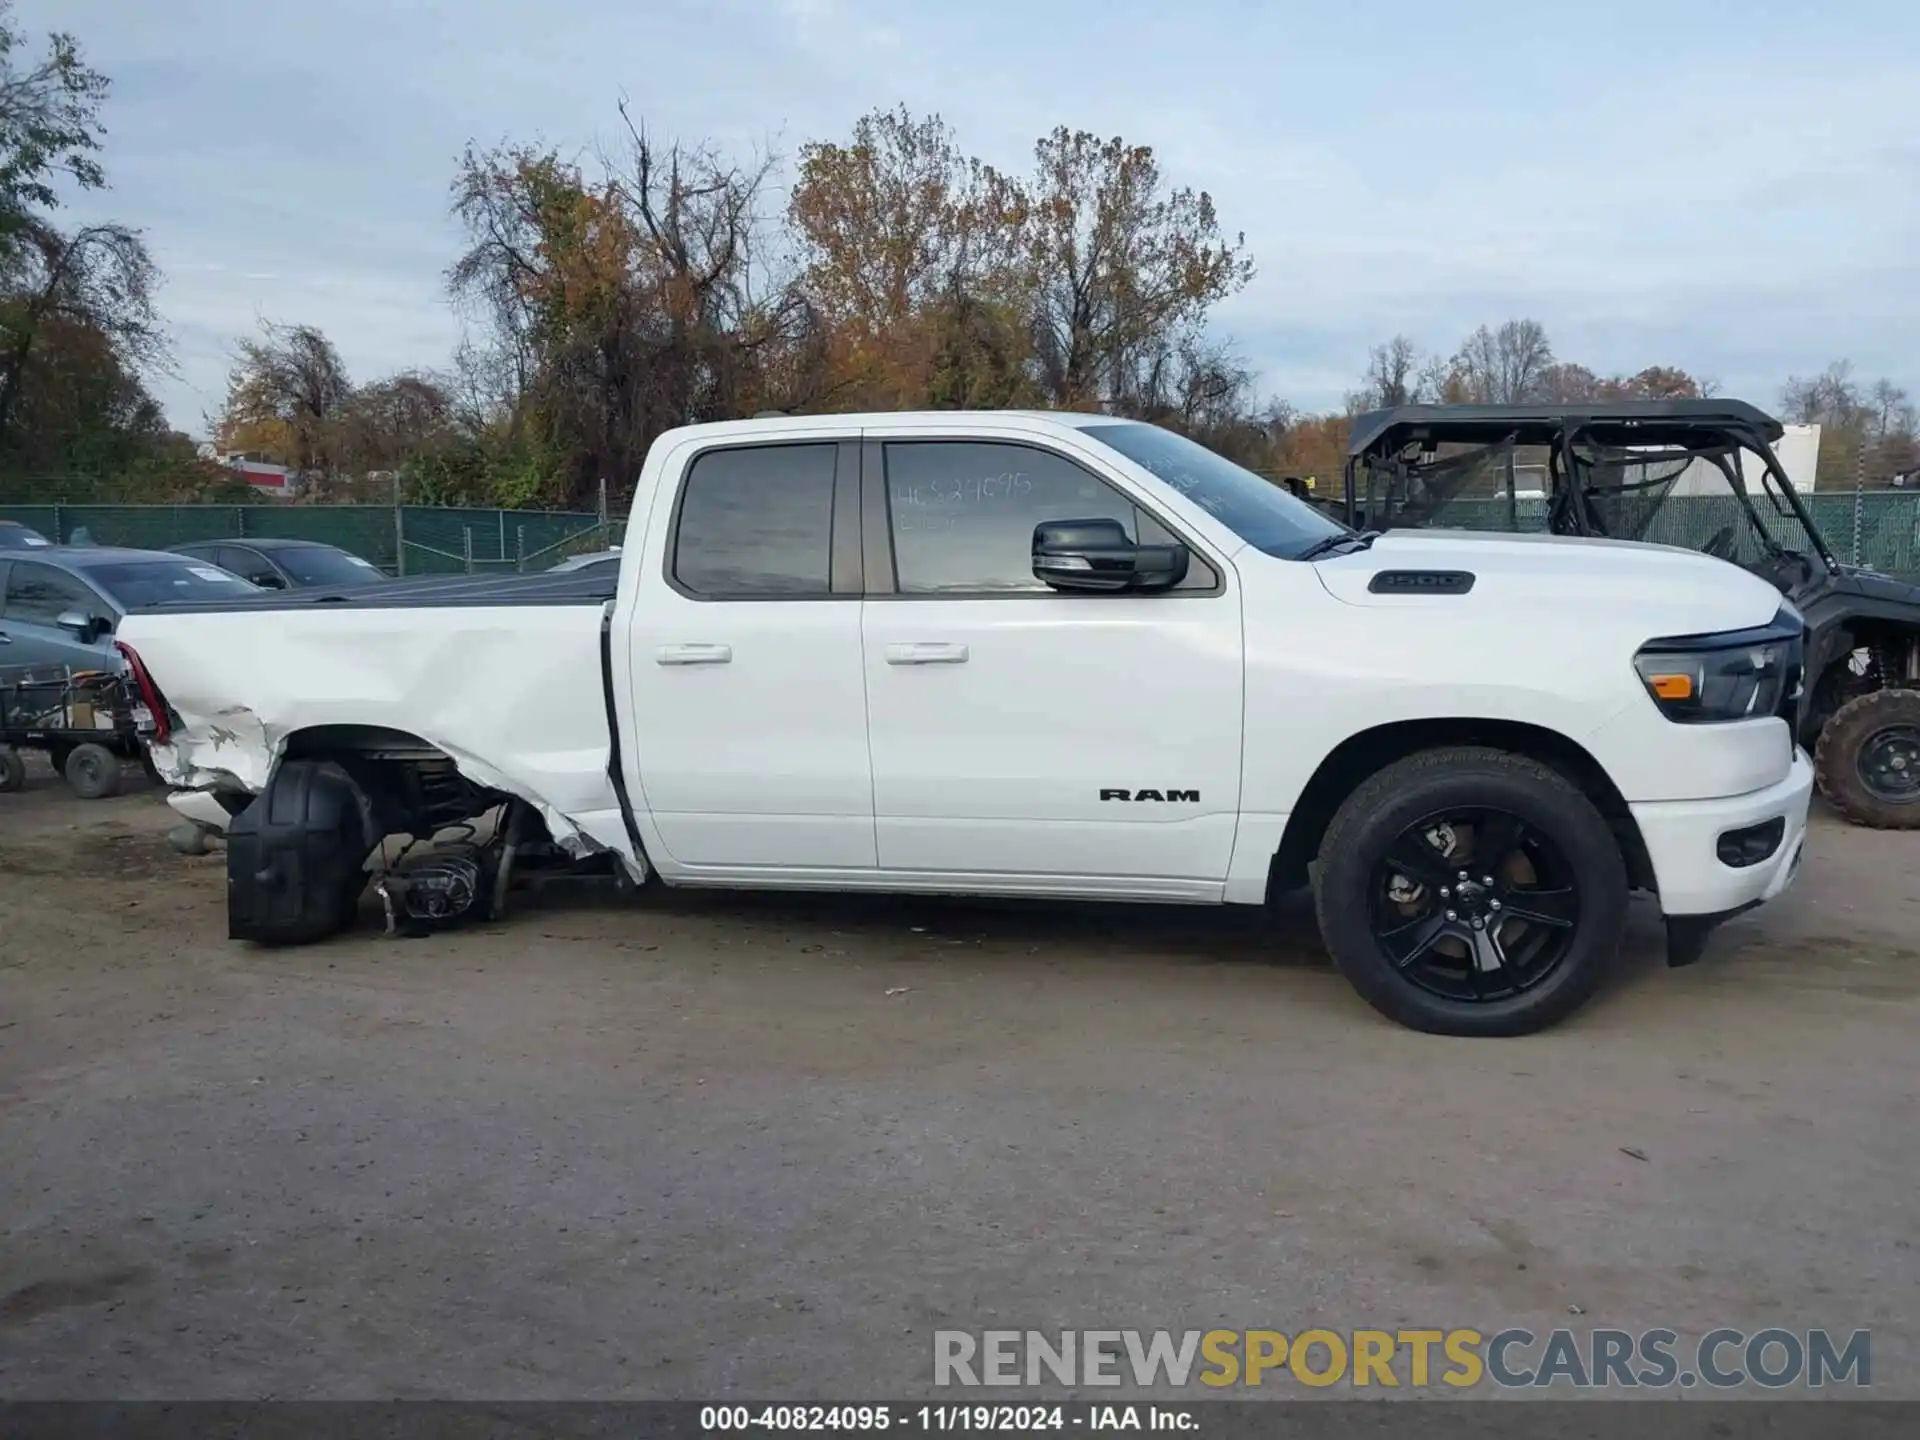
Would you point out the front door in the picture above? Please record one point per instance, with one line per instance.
(750, 720)
(1022, 732)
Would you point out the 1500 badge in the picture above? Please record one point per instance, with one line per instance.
(1190, 796)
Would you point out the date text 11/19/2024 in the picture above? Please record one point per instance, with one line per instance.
(937, 1419)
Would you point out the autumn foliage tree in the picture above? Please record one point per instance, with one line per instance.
(913, 260)
(615, 302)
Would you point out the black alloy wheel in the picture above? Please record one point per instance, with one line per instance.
(1468, 890)
(1472, 904)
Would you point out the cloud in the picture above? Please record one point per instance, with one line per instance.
(1655, 183)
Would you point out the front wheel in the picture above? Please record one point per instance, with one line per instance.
(1867, 760)
(1471, 891)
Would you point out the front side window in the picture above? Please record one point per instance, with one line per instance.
(1258, 511)
(756, 522)
(963, 514)
(323, 565)
(42, 594)
(249, 565)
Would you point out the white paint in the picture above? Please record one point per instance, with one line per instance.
(774, 744)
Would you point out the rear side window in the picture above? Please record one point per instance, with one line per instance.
(756, 522)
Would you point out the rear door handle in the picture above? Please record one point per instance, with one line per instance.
(926, 653)
(694, 654)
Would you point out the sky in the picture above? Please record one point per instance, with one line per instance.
(1732, 188)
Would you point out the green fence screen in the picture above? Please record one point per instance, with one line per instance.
(1880, 528)
(405, 539)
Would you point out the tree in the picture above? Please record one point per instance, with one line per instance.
(99, 279)
(617, 304)
(1505, 366)
(378, 426)
(49, 126)
(912, 257)
(285, 396)
(1392, 378)
(1119, 266)
(1660, 382)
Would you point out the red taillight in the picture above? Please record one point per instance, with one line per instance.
(149, 693)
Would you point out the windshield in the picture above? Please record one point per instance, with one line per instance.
(323, 565)
(19, 537)
(137, 584)
(1258, 511)
(1722, 501)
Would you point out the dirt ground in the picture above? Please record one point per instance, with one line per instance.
(720, 1145)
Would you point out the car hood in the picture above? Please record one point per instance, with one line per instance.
(1522, 575)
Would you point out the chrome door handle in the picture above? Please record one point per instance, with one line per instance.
(926, 653)
(694, 654)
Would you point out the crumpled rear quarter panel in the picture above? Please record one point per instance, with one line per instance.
(512, 694)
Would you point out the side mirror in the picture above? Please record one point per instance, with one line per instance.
(1096, 555)
(268, 580)
(84, 627)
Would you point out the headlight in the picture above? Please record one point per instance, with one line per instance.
(1735, 675)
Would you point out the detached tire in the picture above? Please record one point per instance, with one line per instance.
(296, 856)
(93, 771)
(13, 770)
(1867, 760)
(1436, 842)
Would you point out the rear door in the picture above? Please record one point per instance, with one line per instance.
(36, 596)
(1020, 733)
(750, 723)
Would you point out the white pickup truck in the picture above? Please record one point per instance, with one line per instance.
(1040, 655)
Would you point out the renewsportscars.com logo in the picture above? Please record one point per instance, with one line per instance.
(1391, 1359)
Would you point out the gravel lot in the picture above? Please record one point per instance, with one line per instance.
(715, 1145)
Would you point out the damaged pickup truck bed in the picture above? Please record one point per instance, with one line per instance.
(1024, 655)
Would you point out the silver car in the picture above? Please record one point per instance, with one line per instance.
(60, 604)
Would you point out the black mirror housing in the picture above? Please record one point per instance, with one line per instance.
(1096, 556)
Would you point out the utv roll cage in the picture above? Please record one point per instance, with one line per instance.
(1608, 467)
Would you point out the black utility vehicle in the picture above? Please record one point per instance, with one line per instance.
(1700, 474)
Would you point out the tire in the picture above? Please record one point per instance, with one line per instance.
(1855, 760)
(13, 770)
(1550, 814)
(93, 771)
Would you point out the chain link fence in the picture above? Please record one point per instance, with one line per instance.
(1876, 528)
(400, 539)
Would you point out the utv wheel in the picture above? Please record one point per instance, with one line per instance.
(1867, 760)
(93, 771)
(1471, 891)
(13, 770)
